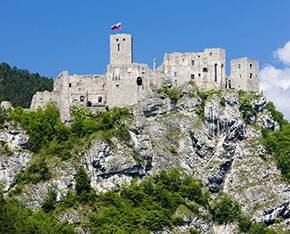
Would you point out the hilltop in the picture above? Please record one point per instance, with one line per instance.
(233, 145)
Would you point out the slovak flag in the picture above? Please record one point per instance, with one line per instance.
(116, 26)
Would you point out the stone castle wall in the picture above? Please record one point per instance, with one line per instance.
(126, 83)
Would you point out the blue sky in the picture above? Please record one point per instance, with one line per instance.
(50, 36)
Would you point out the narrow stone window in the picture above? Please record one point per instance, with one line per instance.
(251, 75)
(123, 39)
(117, 86)
(215, 72)
(210, 53)
(251, 66)
(198, 74)
(100, 99)
(82, 98)
(139, 81)
(69, 85)
(204, 69)
(192, 76)
(89, 104)
(192, 62)
(118, 47)
(198, 56)
(117, 39)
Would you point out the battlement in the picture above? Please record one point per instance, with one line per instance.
(126, 83)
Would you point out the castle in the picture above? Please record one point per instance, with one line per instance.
(126, 83)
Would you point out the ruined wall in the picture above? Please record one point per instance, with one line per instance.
(206, 68)
(127, 84)
(245, 74)
(41, 99)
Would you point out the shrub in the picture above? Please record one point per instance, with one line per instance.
(224, 209)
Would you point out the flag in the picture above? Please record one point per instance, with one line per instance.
(116, 26)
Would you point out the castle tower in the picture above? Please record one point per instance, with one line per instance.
(245, 74)
(120, 49)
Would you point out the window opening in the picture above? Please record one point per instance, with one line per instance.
(198, 74)
(192, 76)
(210, 53)
(69, 85)
(228, 84)
(239, 66)
(139, 81)
(118, 47)
(123, 39)
(251, 75)
(215, 72)
(117, 39)
(175, 73)
(89, 104)
(192, 62)
(204, 69)
(100, 99)
(251, 66)
(82, 98)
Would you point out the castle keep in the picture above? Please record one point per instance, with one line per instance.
(126, 83)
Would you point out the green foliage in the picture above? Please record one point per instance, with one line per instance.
(193, 230)
(84, 192)
(172, 93)
(246, 105)
(36, 172)
(277, 116)
(48, 134)
(278, 142)
(18, 86)
(204, 95)
(15, 219)
(173, 150)
(50, 200)
(224, 209)
(148, 206)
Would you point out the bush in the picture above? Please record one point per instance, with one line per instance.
(246, 106)
(193, 230)
(224, 209)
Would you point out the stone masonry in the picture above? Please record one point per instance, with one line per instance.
(126, 83)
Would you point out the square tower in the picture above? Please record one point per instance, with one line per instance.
(245, 74)
(120, 49)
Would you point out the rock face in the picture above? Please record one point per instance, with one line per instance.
(12, 161)
(222, 150)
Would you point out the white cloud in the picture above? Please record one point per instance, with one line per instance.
(283, 54)
(275, 82)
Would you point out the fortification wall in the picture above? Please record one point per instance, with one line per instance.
(127, 84)
(206, 68)
(245, 74)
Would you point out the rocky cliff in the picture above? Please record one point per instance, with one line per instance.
(210, 138)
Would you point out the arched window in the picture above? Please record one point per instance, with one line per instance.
(204, 69)
(89, 104)
(100, 99)
(139, 81)
(82, 98)
(192, 76)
